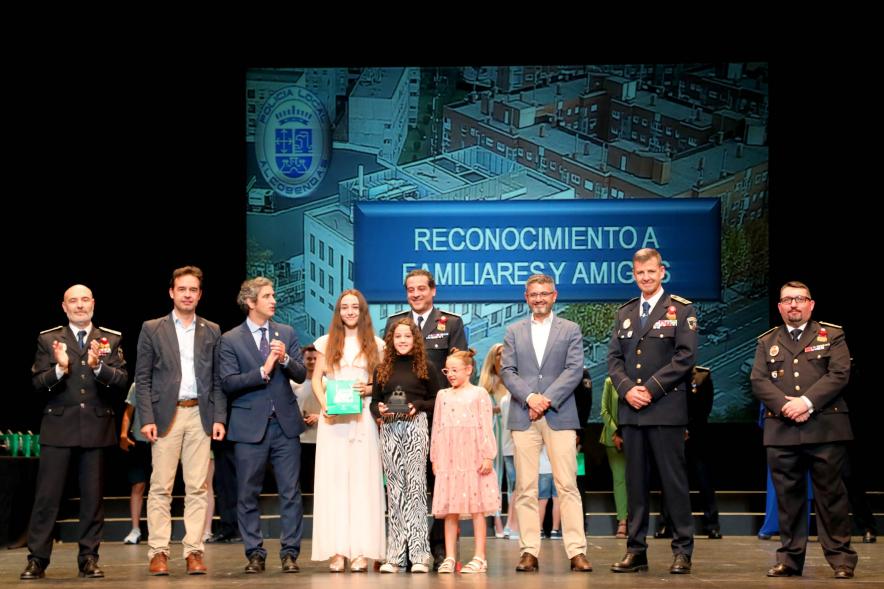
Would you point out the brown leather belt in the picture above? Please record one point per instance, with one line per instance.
(189, 403)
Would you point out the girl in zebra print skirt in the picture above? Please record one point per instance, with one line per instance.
(405, 443)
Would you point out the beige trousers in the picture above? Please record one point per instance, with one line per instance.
(562, 450)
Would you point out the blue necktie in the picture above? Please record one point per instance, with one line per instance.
(264, 347)
(646, 308)
(81, 338)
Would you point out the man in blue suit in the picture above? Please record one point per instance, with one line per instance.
(256, 361)
(542, 365)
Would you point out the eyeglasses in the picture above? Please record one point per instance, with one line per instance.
(799, 300)
(447, 371)
(539, 295)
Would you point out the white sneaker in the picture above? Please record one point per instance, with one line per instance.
(420, 567)
(134, 537)
(389, 568)
(206, 536)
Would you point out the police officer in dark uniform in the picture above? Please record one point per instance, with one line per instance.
(650, 357)
(80, 368)
(800, 371)
(442, 331)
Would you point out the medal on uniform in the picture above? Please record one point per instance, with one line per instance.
(823, 335)
(629, 333)
(626, 323)
(774, 350)
(440, 323)
(773, 374)
(104, 347)
(670, 312)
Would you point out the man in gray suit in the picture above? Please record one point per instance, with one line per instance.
(181, 404)
(542, 365)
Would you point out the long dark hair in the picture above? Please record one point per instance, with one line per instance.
(418, 354)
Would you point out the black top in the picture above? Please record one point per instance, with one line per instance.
(420, 393)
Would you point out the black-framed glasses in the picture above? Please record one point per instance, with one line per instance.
(799, 300)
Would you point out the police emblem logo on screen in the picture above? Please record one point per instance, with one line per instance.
(293, 141)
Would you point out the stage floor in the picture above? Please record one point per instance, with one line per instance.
(737, 561)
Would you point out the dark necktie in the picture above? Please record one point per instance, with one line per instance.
(420, 322)
(796, 334)
(646, 308)
(264, 348)
(81, 338)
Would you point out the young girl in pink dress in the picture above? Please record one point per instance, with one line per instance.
(462, 450)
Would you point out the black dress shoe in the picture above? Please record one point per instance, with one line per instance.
(290, 564)
(90, 570)
(256, 564)
(663, 531)
(782, 570)
(870, 537)
(226, 537)
(631, 563)
(34, 570)
(681, 565)
(528, 563)
(843, 572)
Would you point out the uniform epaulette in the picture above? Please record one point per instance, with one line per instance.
(681, 300)
(767, 332)
(830, 325)
(702, 368)
(449, 312)
(51, 329)
(113, 331)
(627, 302)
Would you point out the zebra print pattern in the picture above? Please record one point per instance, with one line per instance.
(405, 444)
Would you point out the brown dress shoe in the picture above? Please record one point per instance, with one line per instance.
(159, 565)
(290, 564)
(527, 564)
(195, 564)
(580, 564)
(783, 570)
(843, 572)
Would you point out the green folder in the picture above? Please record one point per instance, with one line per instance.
(341, 399)
(581, 464)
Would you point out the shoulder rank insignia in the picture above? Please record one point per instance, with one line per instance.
(113, 331)
(766, 332)
(51, 329)
(627, 302)
(681, 300)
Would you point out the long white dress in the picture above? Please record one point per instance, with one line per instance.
(348, 499)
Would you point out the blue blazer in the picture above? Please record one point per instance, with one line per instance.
(252, 399)
(556, 378)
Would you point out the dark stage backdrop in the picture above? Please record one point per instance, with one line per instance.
(127, 173)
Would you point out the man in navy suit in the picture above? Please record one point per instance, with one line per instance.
(542, 365)
(256, 361)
